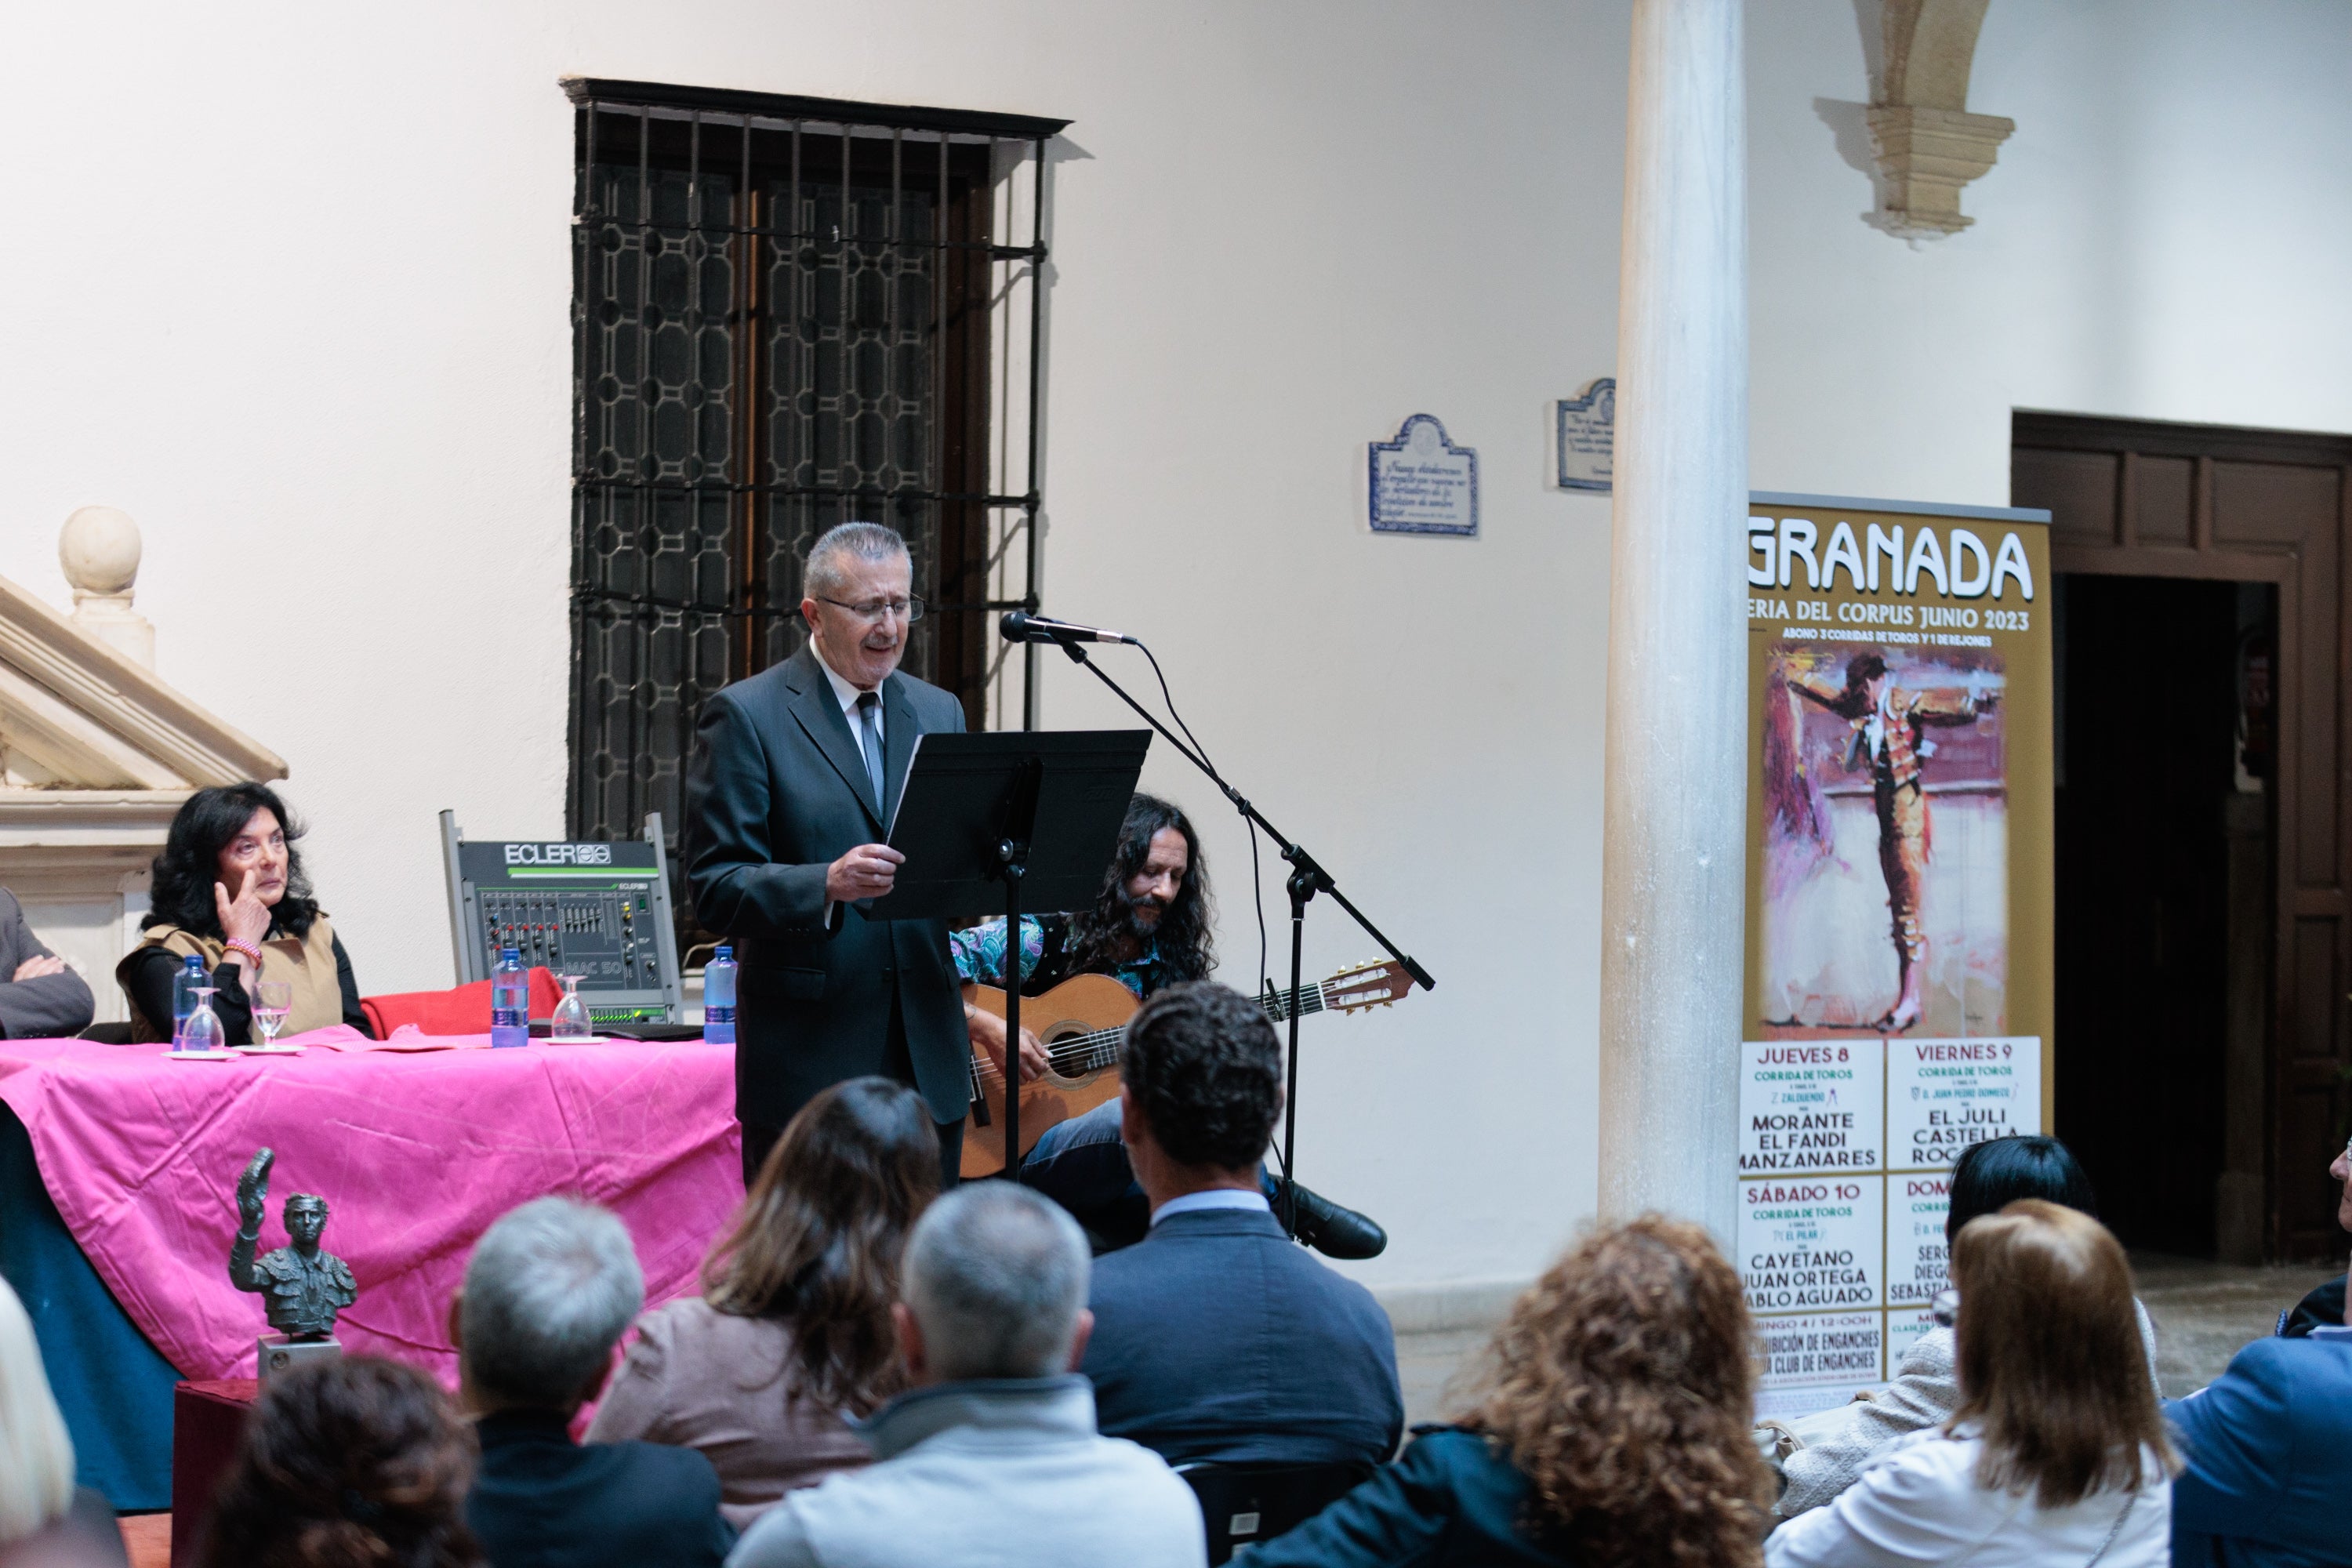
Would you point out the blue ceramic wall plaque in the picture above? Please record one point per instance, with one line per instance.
(1586, 437)
(1423, 483)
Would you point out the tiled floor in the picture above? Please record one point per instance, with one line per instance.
(2203, 1312)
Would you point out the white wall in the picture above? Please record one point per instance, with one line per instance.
(290, 286)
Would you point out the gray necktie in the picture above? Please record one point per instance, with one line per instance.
(870, 723)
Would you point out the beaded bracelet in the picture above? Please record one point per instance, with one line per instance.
(246, 948)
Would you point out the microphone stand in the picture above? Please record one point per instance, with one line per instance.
(1307, 877)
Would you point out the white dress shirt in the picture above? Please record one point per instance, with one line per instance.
(1920, 1502)
(847, 696)
(1213, 1198)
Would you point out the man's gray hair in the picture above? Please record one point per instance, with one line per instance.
(996, 1276)
(548, 1291)
(867, 542)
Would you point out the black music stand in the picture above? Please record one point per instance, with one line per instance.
(990, 820)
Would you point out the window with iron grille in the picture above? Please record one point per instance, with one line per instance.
(787, 313)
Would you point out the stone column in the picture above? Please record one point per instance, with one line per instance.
(1675, 853)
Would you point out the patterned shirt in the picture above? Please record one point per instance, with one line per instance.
(979, 952)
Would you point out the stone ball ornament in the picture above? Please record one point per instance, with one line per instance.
(99, 549)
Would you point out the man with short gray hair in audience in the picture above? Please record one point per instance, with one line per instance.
(548, 1293)
(994, 1458)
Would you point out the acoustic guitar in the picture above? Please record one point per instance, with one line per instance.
(1080, 1023)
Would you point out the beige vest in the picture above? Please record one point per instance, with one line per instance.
(305, 963)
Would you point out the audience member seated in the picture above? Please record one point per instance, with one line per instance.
(547, 1295)
(2056, 1454)
(993, 1459)
(2268, 1443)
(1987, 1178)
(41, 998)
(791, 1331)
(354, 1461)
(1612, 1429)
(2322, 1311)
(45, 1520)
(1217, 1338)
(228, 888)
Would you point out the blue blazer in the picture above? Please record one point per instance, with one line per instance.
(2269, 1450)
(1219, 1338)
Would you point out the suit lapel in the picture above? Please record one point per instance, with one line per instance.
(821, 716)
(898, 733)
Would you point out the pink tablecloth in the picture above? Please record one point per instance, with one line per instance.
(417, 1153)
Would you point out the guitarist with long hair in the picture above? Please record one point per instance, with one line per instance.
(1150, 927)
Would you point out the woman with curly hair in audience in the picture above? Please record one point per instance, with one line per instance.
(1612, 1429)
(2057, 1453)
(350, 1463)
(791, 1331)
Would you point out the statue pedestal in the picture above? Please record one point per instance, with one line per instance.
(277, 1352)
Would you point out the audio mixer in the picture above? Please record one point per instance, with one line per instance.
(600, 910)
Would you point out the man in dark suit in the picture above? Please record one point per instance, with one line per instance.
(39, 997)
(795, 777)
(549, 1290)
(1217, 1338)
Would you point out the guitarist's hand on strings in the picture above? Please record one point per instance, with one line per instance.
(865, 872)
(988, 1034)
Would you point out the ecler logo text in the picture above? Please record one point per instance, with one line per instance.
(559, 854)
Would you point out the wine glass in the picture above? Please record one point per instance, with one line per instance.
(203, 1030)
(572, 1024)
(273, 1000)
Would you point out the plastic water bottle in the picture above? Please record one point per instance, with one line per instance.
(183, 995)
(718, 997)
(509, 1000)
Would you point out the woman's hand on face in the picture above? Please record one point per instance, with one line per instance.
(244, 917)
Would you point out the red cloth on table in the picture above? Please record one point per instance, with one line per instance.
(461, 1010)
(417, 1145)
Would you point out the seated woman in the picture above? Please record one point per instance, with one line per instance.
(228, 888)
(2057, 1453)
(1612, 1429)
(793, 1331)
(1986, 1178)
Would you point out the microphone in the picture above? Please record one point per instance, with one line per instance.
(1018, 626)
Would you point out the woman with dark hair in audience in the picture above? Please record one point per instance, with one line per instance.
(350, 1463)
(1612, 1429)
(2057, 1453)
(793, 1331)
(228, 888)
(1987, 1178)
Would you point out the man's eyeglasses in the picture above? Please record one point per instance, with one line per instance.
(909, 610)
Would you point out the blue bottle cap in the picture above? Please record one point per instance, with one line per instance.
(512, 955)
(195, 962)
(723, 951)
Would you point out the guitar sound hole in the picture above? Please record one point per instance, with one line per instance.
(1073, 1070)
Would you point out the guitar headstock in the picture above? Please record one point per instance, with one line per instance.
(1366, 986)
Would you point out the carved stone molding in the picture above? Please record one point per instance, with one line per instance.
(1928, 145)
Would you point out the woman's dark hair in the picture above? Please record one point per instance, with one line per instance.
(1186, 948)
(817, 1241)
(1204, 1067)
(1990, 1176)
(1622, 1386)
(350, 1463)
(181, 888)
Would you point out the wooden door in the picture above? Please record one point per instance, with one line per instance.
(2141, 499)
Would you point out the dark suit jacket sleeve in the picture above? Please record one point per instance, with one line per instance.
(52, 1005)
(353, 1013)
(2237, 1437)
(729, 803)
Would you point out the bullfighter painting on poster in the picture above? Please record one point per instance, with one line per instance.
(1900, 821)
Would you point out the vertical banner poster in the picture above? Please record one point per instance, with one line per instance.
(1898, 987)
